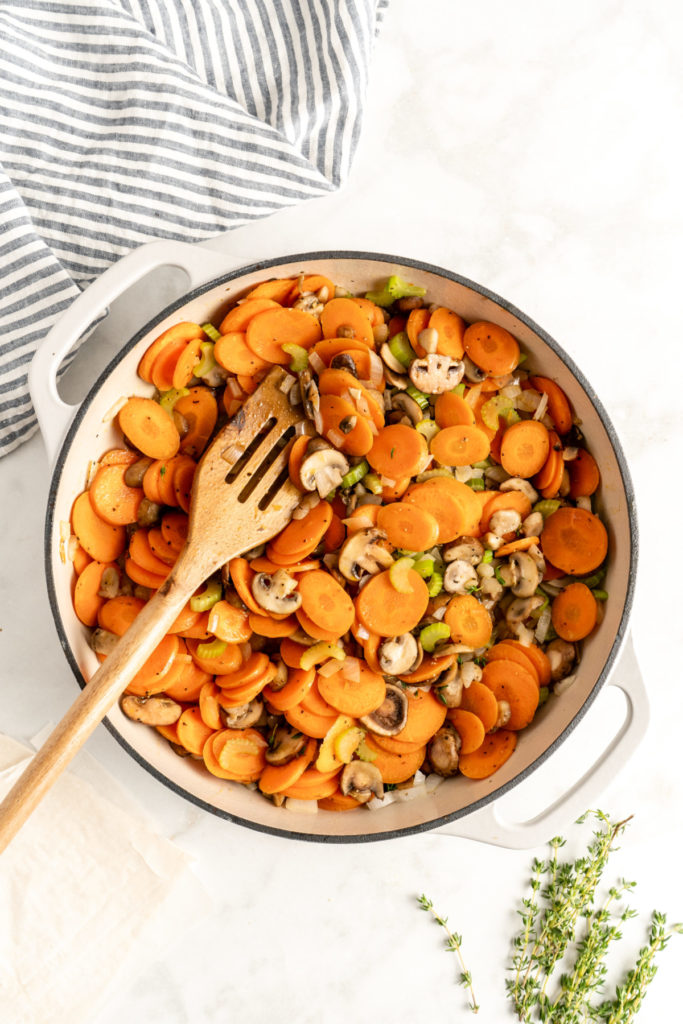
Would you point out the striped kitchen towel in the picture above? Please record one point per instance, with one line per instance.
(123, 121)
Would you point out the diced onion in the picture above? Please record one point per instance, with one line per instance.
(317, 421)
(362, 633)
(351, 669)
(564, 684)
(376, 805)
(301, 806)
(330, 668)
(542, 406)
(386, 481)
(376, 368)
(234, 388)
(335, 437)
(72, 547)
(315, 362)
(115, 410)
(433, 782)
(64, 534)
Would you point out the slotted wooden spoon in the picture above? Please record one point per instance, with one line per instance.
(241, 497)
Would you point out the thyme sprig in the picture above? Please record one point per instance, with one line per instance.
(452, 944)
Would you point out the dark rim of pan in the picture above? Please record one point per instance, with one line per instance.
(310, 258)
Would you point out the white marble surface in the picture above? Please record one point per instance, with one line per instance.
(534, 148)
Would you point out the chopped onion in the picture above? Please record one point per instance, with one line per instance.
(364, 522)
(315, 362)
(564, 684)
(355, 394)
(439, 613)
(64, 534)
(569, 454)
(115, 410)
(72, 547)
(542, 406)
(330, 668)
(234, 388)
(376, 805)
(301, 806)
(386, 481)
(433, 782)
(351, 669)
(317, 421)
(402, 796)
(335, 437)
(376, 368)
(362, 633)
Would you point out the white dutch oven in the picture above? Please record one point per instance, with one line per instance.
(76, 435)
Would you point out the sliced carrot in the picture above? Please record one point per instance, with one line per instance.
(188, 685)
(511, 683)
(491, 347)
(335, 535)
(182, 332)
(255, 667)
(328, 348)
(296, 457)
(165, 365)
(397, 450)
(189, 359)
(87, 600)
(102, 541)
(273, 628)
(506, 652)
(417, 320)
(313, 701)
(373, 312)
(277, 289)
(460, 446)
(238, 317)
(362, 518)
(118, 613)
(200, 411)
(431, 668)
(225, 664)
(275, 778)
(149, 428)
(312, 786)
(154, 674)
(299, 682)
(552, 488)
(313, 629)
(344, 313)
(174, 526)
(234, 355)
(151, 482)
(394, 746)
(536, 656)
(343, 384)
(395, 768)
(469, 622)
(469, 728)
(117, 457)
(524, 448)
(161, 548)
(451, 330)
(548, 469)
(451, 410)
(426, 714)
(269, 330)
(209, 708)
(336, 415)
(263, 564)
(245, 692)
(558, 403)
(574, 612)
(395, 491)
(338, 802)
(185, 619)
(291, 651)
(143, 576)
(302, 536)
(326, 602)
(242, 576)
(454, 505)
(229, 623)
(353, 697)
(142, 554)
(240, 752)
(384, 611)
(408, 526)
(479, 699)
(501, 501)
(584, 475)
(81, 558)
(574, 540)
(112, 499)
(522, 544)
(313, 283)
(308, 723)
(490, 756)
(183, 478)
(197, 631)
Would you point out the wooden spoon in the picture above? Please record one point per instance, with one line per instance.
(241, 497)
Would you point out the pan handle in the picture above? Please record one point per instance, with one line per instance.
(488, 825)
(53, 414)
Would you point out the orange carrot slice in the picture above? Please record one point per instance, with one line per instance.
(469, 622)
(102, 541)
(408, 526)
(469, 728)
(112, 499)
(524, 448)
(509, 682)
(238, 318)
(353, 697)
(491, 347)
(574, 540)
(398, 450)
(270, 329)
(479, 699)
(87, 600)
(574, 612)
(460, 446)
(344, 313)
(490, 756)
(558, 403)
(326, 602)
(451, 410)
(384, 611)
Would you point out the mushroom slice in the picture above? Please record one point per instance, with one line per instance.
(561, 655)
(322, 470)
(398, 654)
(443, 751)
(449, 687)
(525, 574)
(518, 483)
(469, 549)
(460, 577)
(473, 373)
(362, 553)
(310, 396)
(362, 781)
(285, 744)
(436, 374)
(103, 641)
(390, 359)
(391, 716)
(344, 361)
(521, 608)
(276, 592)
(407, 405)
(242, 716)
(151, 710)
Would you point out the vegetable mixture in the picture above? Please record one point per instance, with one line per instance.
(430, 590)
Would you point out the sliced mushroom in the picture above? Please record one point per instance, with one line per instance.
(148, 513)
(276, 592)
(285, 745)
(470, 673)
(135, 472)
(521, 608)
(517, 483)
(532, 526)
(460, 577)
(436, 374)
(525, 574)
(504, 715)
(110, 582)
(151, 710)
(390, 359)
(472, 371)
(392, 714)
(397, 380)
(310, 396)
(323, 470)
(242, 716)
(506, 520)
(279, 681)
(443, 751)
(561, 655)
(408, 406)
(363, 553)
(468, 549)
(344, 361)
(398, 654)
(362, 781)
(449, 687)
(103, 642)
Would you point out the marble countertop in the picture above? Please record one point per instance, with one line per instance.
(534, 149)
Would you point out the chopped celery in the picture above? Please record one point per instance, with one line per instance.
(433, 634)
(476, 483)
(401, 349)
(299, 356)
(212, 650)
(435, 585)
(354, 475)
(364, 753)
(497, 406)
(398, 575)
(484, 464)
(487, 557)
(207, 363)
(547, 506)
(460, 390)
(512, 417)
(208, 597)
(395, 288)
(418, 396)
(319, 653)
(522, 358)
(427, 428)
(543, 695)
(424, 567)
(594, 579)
(168, 399)
(372, 483)
(600, 595)
(211, 331)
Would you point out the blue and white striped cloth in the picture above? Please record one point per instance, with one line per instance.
(122, 121)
